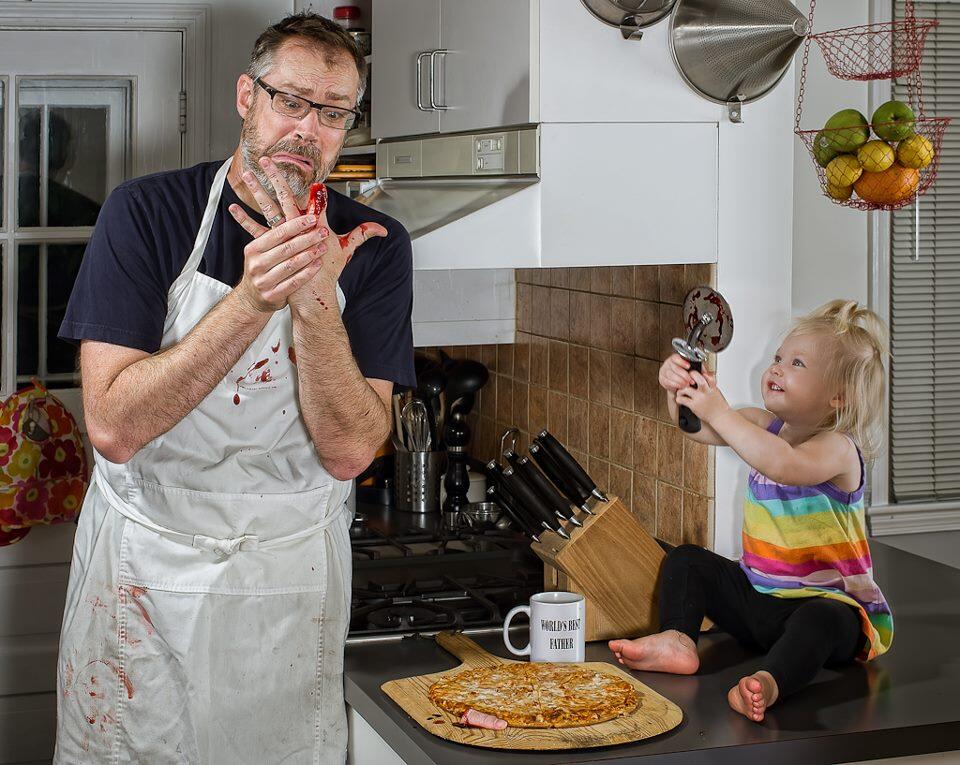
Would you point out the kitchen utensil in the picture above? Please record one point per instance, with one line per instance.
(506, 503)
(417, 480)
(629, 16)
(735, 51)
(530, 501)
(709, 321)
(654, 715)
(430, 384)
(482, 514)
(568, 464)
(556, 627)
(570, 488)
(416, 425)
(464, 379)
(539, 483)
(398, 422)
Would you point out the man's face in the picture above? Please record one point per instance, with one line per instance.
(304, 150)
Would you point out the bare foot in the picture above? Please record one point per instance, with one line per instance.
(669, 651)
(753, 695)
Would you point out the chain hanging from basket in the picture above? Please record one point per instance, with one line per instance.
(887, 162)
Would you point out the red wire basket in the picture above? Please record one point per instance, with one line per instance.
(890, 189)
(876, 51)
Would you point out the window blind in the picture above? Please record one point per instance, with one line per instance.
(925, 293)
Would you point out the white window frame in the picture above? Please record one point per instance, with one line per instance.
(887, 517)
(192, 21)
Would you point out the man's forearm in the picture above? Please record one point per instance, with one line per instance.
(150, 396)
(346, 418)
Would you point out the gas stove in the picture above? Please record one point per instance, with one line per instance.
(411, 574)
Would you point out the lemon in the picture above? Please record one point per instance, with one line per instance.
(876, 156)
(915, 151)
(841, 193)
(843, 170)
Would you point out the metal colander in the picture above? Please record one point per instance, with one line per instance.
(735, 51)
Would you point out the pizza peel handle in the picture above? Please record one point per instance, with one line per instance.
(466, 650)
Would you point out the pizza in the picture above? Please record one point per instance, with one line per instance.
(537, 695)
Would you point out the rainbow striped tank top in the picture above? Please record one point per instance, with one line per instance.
(810, 541)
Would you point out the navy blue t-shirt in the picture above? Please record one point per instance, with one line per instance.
(144, 235)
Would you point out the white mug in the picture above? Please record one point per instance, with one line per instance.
(556, 627)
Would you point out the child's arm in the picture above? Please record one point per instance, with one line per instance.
(814, 461)
(675, 375)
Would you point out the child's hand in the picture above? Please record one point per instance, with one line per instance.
(674, 374)
(706, 401)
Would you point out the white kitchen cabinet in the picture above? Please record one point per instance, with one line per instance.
(483, 65)
(402, 31)
(649, 197)
(487, 72)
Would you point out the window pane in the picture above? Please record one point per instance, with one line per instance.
(45, 277)
(28, 310)
(73, 145)
(63, 263)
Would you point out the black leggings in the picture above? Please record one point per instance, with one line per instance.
(799, 635)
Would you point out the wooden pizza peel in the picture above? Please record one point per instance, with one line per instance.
(653, 716)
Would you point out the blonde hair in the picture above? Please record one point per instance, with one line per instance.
(854, 367)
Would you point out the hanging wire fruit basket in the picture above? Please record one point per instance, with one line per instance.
(887, 161)
(876, 51)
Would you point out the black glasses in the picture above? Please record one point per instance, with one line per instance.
(290, 105)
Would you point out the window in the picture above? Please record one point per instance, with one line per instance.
(925, 293)
(71, 143)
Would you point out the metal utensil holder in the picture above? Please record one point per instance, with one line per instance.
(418, 476)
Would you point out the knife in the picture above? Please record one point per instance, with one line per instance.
(498, 496)
(528, 499)
(531, 525)
(568, 487)
(569, 465)
(539, 483)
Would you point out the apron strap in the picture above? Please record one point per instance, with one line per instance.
(225, 547)
(180, 284)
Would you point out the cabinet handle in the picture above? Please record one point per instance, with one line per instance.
(433, 70)
(420, 58)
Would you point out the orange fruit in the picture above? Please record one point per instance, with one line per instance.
(889, 187)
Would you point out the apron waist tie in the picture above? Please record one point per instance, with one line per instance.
(222, 548)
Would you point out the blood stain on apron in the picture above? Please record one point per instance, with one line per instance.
(136, 593)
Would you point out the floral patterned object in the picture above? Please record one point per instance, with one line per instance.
(43, 465)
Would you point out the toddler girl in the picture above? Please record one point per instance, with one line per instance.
(803, 592)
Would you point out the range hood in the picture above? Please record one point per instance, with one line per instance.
(554, 194)
(453, 190)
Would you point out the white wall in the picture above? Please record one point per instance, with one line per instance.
(753, 271)
(829, 241)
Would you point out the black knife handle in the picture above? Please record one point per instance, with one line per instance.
(497, 495)
(527, 499)
(495, 474)
(552, 470)
(687, 420)
(538, 481)
(567, 463)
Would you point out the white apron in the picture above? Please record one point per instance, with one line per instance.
(210, 585)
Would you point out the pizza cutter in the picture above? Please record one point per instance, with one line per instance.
(709, 322)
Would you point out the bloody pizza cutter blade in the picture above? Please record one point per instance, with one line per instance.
(709, 324)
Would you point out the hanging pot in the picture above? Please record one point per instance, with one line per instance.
(630, 16)
(735, 51)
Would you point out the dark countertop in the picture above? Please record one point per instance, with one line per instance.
(906, 702)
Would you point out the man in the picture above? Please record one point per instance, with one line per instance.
(237, 371)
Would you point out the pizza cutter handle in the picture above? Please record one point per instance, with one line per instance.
(506, 631)
(688, 421)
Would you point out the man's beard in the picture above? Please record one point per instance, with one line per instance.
(298, 179)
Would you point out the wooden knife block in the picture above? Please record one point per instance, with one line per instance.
(614, 563)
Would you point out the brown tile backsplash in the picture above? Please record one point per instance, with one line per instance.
(585, 362)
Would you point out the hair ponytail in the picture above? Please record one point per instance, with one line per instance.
(855, 368)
